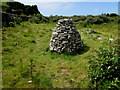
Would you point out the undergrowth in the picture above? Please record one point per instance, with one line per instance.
(104, 69)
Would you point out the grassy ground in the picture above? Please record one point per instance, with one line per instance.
(28, 63)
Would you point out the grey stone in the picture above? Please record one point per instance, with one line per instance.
(100, 38)
(65, 37)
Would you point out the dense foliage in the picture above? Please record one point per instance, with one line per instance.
(89, 19)
(20, 9)
(15, 12)
(105, 68)
(37, 18)
(12, 22)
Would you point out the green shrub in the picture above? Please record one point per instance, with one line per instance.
(34, 20)
(104, 69)
(113, 15)
(89, 20)
(38, 18)
(44, 20)
(19, 8)
(11, 24)
(17, 20)
(83, 23)
(5, 24)
(100, 20)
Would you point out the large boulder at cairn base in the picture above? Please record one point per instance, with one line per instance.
(65, 37)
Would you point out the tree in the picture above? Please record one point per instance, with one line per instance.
(113, 15)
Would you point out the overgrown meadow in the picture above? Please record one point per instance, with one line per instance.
(27, 61)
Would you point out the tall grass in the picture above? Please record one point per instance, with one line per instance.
(30, 63)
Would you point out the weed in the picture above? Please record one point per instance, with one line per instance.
(27, 40)
(41, 81)
(104, 68)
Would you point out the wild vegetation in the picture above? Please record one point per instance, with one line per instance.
(28, 62)
(19, 8)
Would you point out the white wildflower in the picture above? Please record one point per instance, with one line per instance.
(109, 67)
(30, 81)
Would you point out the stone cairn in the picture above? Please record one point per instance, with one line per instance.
(65, 37)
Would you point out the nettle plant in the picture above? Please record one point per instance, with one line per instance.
(104, 69)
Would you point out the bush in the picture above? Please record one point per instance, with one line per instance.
(100, 20)
(82, 23)
(104, 69)
(38, 18)
(19, 8)
(96, 19)
(17, 20)
(89, 20)
(5, 24)
(76, 19)
(11, 24)
(113, 15)
(34, 20)
(44, 20)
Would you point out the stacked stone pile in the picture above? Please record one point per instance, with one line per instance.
(65, 37)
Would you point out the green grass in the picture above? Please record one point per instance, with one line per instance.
(28, 41)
